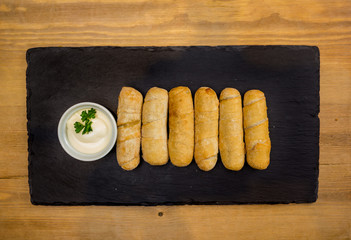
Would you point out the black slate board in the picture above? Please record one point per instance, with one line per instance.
(57, 78)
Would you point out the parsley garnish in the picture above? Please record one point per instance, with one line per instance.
(86, 119)
(78, 126)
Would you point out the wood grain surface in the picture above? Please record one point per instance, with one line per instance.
(35, 23)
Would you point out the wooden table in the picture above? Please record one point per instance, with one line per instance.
(34, 23)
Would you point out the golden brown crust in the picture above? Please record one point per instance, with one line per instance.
(154, 128)
(181, 126)
(231, 136)
(129, 127)
(258, 144)
(206, 128)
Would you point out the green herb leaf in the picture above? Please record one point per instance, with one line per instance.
(85, 117)
(91, 113)
(78, 127)
(87, 128)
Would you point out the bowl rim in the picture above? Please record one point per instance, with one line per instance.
(62, 135)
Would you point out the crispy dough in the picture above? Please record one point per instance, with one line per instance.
(130, 102)
(258, 143)
(154, 128)
(206, 128)
(181, 126)
(231, 136)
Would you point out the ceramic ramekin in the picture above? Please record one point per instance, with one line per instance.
(62, 134)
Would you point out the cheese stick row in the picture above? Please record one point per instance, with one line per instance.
(198, 129)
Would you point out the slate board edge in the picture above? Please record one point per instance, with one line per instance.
(164, 203)
(319, 124)
(176, 47)
(30, 137)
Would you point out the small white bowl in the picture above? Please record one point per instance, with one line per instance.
(62, 135)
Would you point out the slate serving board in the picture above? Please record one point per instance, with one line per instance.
(57, 78)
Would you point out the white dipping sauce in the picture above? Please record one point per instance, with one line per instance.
(91, 142)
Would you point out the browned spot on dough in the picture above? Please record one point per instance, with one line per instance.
(208, 90)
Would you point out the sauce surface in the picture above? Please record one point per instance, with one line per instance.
(91, 142)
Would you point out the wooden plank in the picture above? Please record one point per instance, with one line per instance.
(297, 219)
